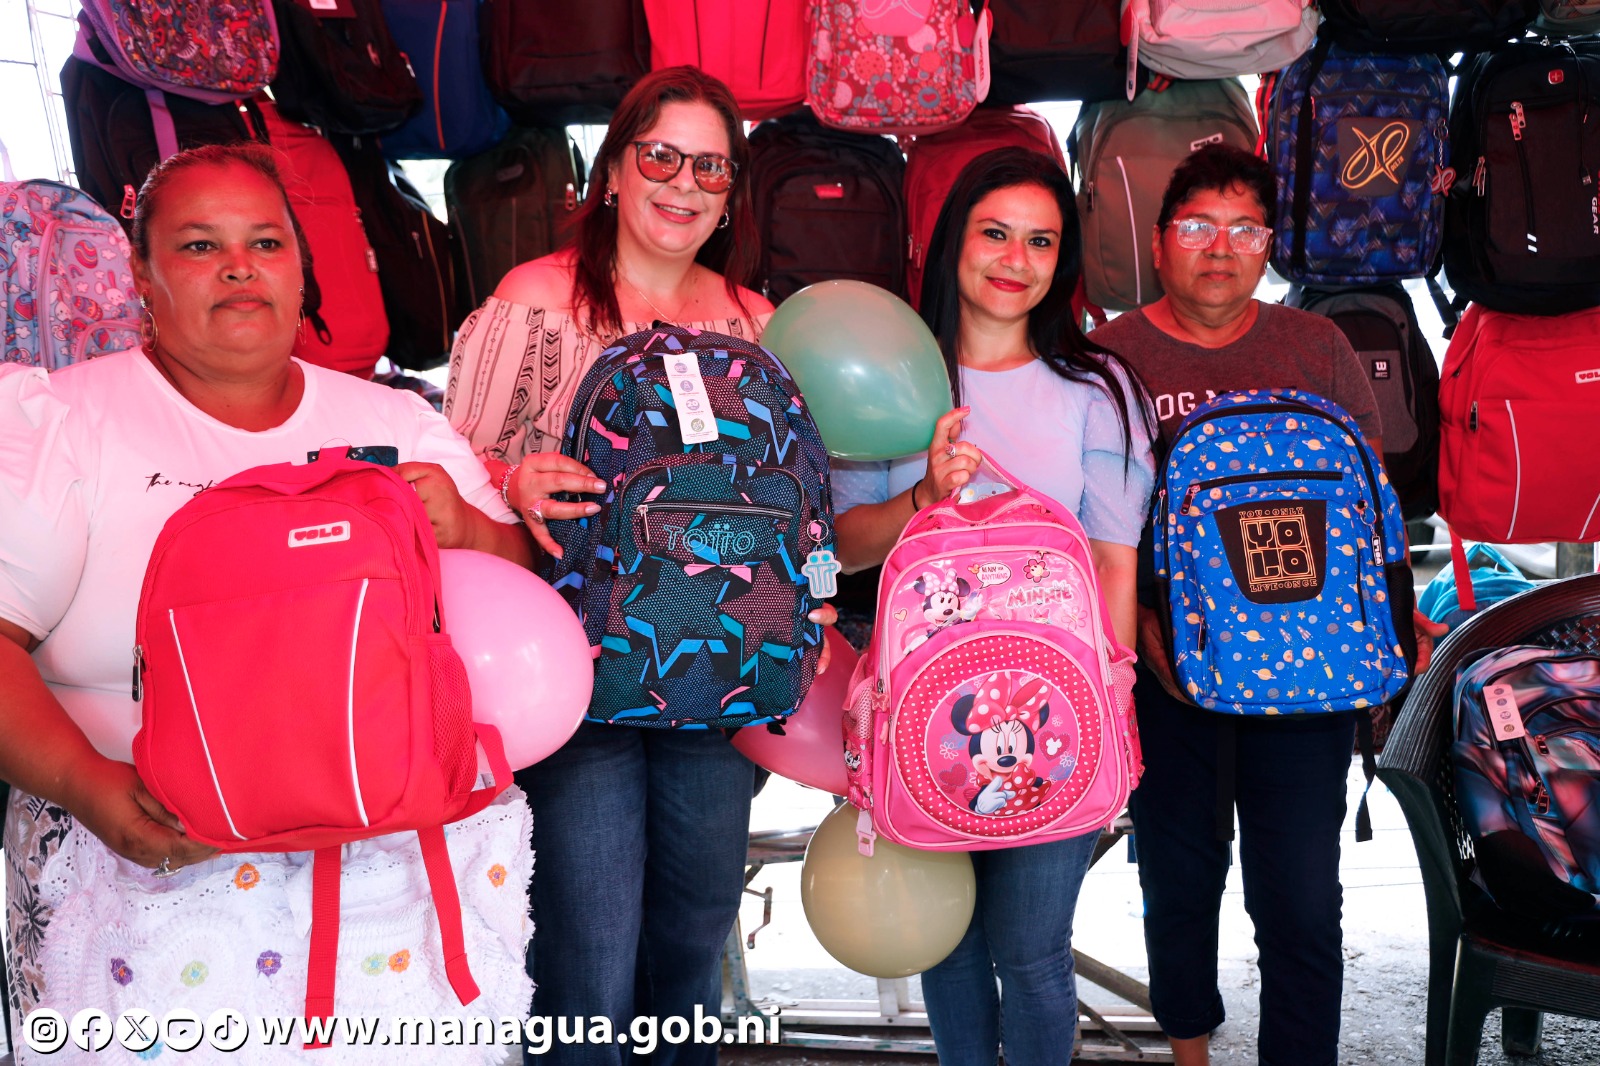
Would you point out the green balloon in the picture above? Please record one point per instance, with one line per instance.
(870, 370)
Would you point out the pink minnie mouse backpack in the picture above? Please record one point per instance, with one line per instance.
(994, 705)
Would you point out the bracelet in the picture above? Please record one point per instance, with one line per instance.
(505, 484)
(915, 506)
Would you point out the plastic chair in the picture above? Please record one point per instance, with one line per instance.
(1479, 956)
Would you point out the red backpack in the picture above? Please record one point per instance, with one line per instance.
(934, 161)
(1516, 394)
(757, 49)
(299, 689)
(350, 329)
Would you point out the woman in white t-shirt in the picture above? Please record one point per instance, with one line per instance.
(110, 905)
(1067, 418)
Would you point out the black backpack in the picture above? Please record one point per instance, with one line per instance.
(511, 204)
(1048, 50)
(1380, 323)
(828, 204)
(1446, 26)
(114, 141)
(342, 75)
(416, 257)
(1522, 224)
(550, 64)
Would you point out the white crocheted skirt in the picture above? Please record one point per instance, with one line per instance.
(89, 929)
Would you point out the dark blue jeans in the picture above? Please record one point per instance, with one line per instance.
(639, 839)
(1021, 932)
(1290, 800)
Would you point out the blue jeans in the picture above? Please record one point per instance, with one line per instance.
(639, 840)
(1021, 932)
(1289, 794)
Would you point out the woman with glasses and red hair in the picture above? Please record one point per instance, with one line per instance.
(639, 834)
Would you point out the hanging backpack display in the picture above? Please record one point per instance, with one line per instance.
(1047, 50)
(1359, 144)
(896, 68)
(511, 204)
(458, 116)
(1280, 552)
(1568, 17)
(113, 138)
(350, 331)
(552, 64)
(342, 73)
(1520, 398)
(756, 49)
(714, 538)
(291, 617)
(933, 162)
(1123, 155)
(69, 288)
(1438, 26)
(1197, 39)
(415, 253)
(1522, 231)
(1381, 325)
(828, 204)
(994, 706)
(1527, 778)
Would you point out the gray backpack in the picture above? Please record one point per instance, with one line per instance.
(1123, 155)
(1568, 17)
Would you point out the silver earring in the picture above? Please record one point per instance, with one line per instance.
(724, 223)
(610, 198)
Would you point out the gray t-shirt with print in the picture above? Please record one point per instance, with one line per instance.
(1285, 349)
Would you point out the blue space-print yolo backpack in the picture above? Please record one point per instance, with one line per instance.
(1527, 776)
(1281, 550)
(1358, 141)
(695, 578)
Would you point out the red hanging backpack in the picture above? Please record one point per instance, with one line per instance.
(758, 49)
(299, 691)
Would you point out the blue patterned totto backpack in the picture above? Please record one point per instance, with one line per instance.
(1527, 775)
(1358, 142)
(1281, 549)
(695, 579)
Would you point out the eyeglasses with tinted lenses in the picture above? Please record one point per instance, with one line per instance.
(661, 162)
(1244, 238)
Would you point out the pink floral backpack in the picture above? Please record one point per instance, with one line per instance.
(896, 66)
(994, 706)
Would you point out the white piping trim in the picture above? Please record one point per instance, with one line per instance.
(1584, 531)
(350, 705)
(1516, 455)
(211, 767)
(1133, 227)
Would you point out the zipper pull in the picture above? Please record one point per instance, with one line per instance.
(1088, 193)
(1540, 743)
(1540, 799)
(1188, 499)
(1519, 121)
(572, 197)
(138, 673)
(1472, 416)
(866, 836)
(1479, 176)
(130, 197)
(643, 511)
(416, 239)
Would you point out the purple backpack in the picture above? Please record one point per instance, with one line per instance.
(215, 51)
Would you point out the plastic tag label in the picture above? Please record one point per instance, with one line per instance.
(696, 422)
(1504, 716)
(822, 571)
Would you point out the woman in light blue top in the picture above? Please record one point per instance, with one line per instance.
(1068, 418)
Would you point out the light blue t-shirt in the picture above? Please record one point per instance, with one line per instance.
(1057, 436)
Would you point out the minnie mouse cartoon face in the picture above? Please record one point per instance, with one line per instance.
(1001, 718)
(941, 598)
(1037, 568)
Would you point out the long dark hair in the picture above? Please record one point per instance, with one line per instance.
(733, 251)
(1053, 330)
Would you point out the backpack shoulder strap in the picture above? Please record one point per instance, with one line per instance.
(447, 905)
(322, 967)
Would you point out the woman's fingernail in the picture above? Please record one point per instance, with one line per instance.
(599, 486)
(591, 508)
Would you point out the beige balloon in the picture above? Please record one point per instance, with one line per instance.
(894, 913)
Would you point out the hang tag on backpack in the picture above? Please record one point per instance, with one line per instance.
(1504, 715)
(696, 422)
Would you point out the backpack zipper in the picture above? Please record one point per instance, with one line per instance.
(1519, 123)
(1196, 487)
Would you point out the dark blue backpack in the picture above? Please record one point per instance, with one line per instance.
(1281, 552)
(458, 118)
(1361, 171)
(695, 578)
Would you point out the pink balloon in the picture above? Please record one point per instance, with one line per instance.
(811, 750)
(528, 660)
